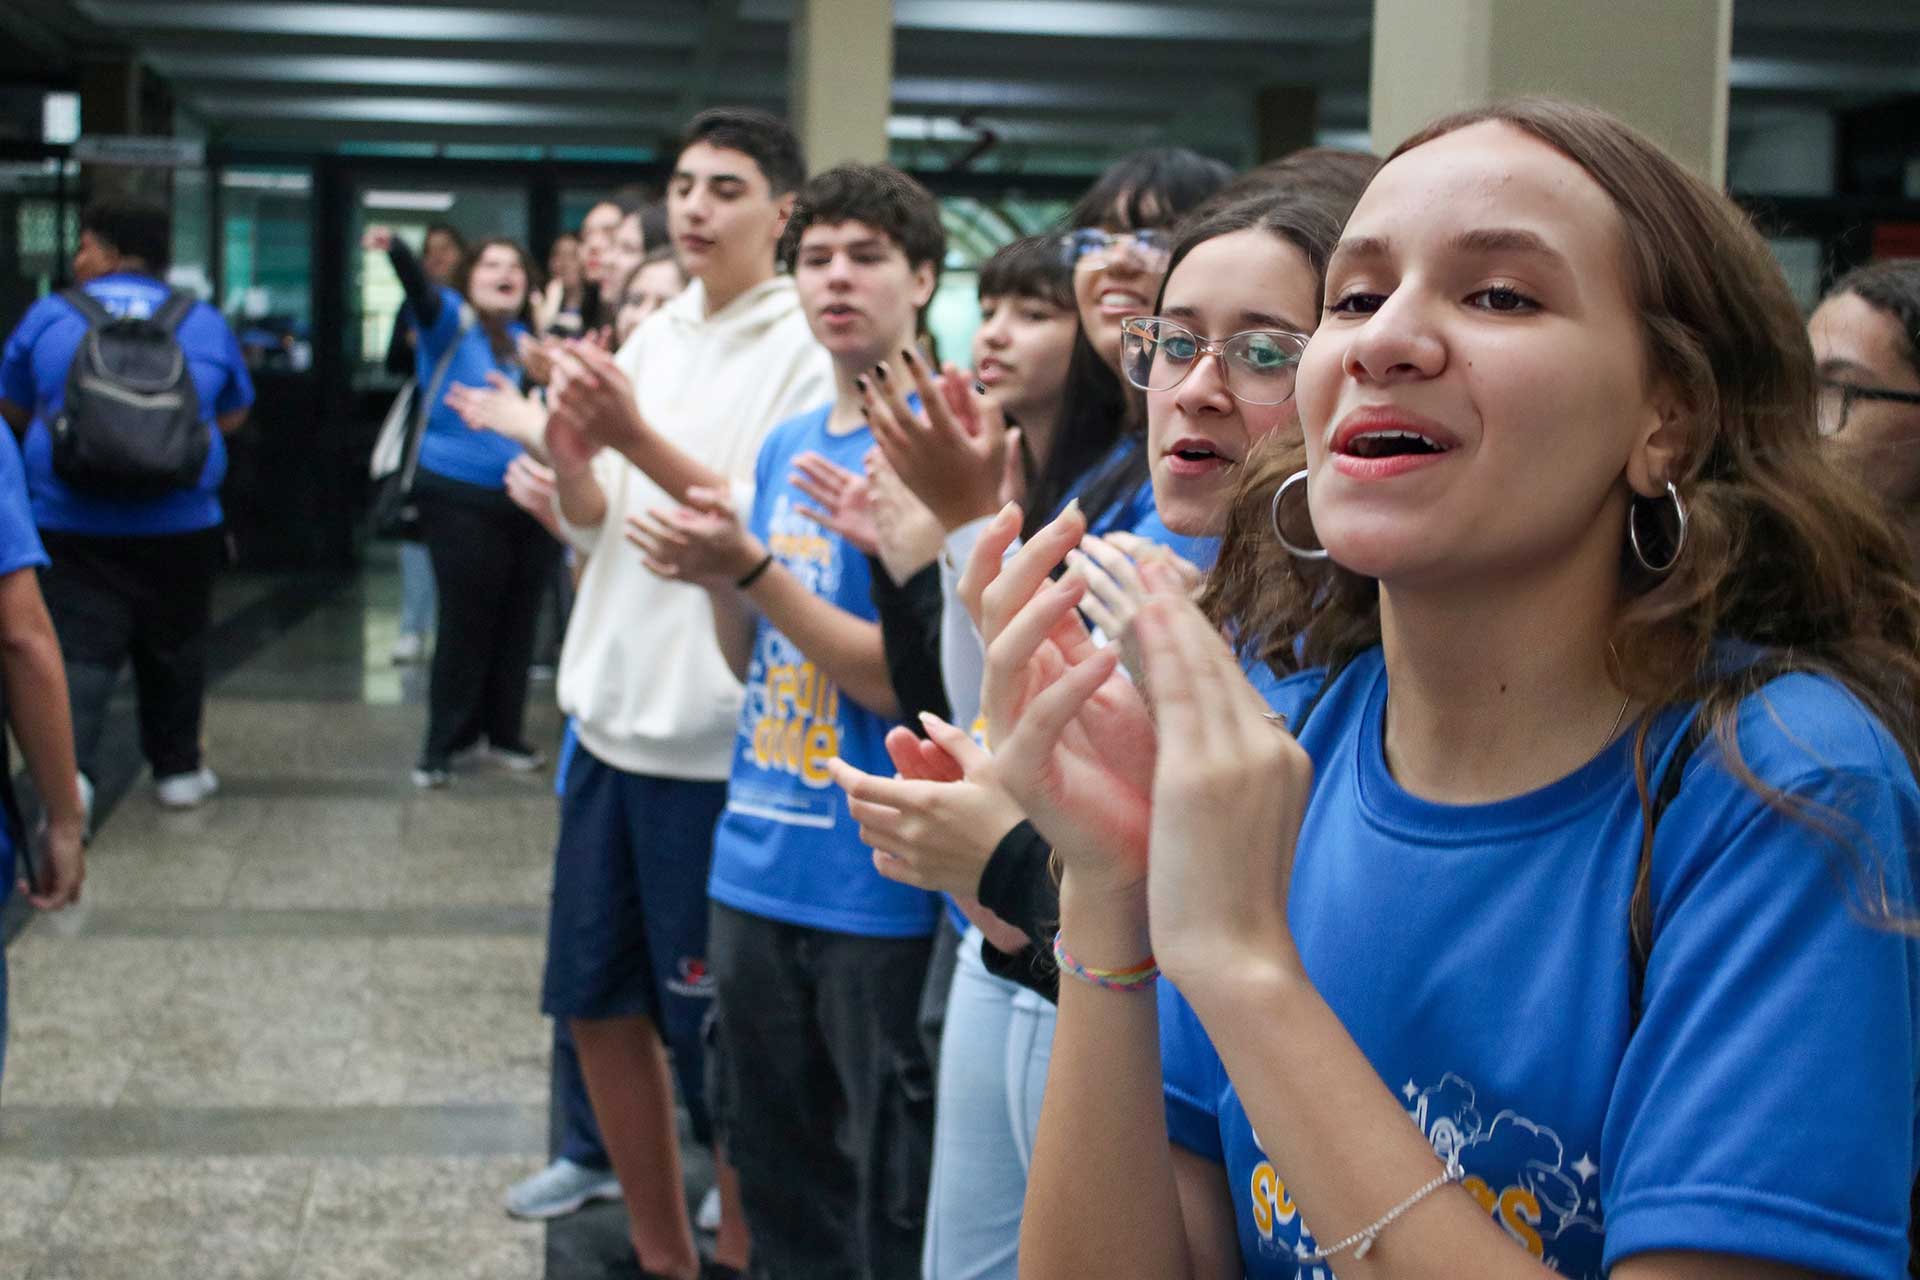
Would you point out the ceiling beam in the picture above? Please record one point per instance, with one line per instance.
(395, 22)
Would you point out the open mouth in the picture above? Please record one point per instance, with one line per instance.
(1121, 302)
(838, 311)
(1391, 444)
(1195, 457)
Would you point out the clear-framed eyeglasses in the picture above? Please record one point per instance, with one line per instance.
(1157, 355)
(1091, 247)
(1837, 399)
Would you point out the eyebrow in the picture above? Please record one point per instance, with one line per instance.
(1479, 240)
(1832, 365)
(1248, 320)
(690, 176)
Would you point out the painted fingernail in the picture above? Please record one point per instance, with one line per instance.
(979, 387)
(880, 372)
(861, 382)
(909, 354)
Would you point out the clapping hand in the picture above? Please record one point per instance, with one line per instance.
(1072, 738)
(910, 534)
(842, 500)
(1229, 797)
(1110, 566)
(701, 542)
(953, 453)
(500, 407)
(593, 396)
(531, 487)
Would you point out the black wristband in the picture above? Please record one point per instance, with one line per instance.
(752, 575)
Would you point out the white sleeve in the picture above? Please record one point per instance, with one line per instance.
(963, 656)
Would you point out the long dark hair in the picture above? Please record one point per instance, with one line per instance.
(1153, 188)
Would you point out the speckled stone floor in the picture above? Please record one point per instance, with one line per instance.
(295, 1034)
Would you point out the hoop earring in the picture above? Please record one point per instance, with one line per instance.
(1679, 539)
(1302, 553)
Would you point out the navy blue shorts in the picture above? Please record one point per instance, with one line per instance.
(627, 930)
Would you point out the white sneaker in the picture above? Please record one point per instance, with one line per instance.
(408, 648)
(707, 1216)
(561, 1188)
(185, 790)
(517, 759)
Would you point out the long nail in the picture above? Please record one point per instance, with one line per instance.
(979, 387)
(861, 382)
(880, 372)
(909, 355)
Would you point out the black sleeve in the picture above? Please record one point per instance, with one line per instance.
(910, 635)
(1018, 886)
(422, 296)
(400, 350)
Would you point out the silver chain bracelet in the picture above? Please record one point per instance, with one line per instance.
(1364, 1237)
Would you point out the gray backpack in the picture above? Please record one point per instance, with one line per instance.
(131, 427)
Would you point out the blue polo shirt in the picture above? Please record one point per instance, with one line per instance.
(19, 549)
(450, 448)
(33, 375)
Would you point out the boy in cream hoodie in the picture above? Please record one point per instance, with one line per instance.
(641, 672)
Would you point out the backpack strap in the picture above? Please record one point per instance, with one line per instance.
(423, 406)
(173, 312)
(87, 305)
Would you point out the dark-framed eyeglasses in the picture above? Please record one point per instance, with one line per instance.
(1157, 355)
(1838, 397)
(1092, 247)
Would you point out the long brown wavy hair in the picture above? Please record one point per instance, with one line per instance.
(1783, 551)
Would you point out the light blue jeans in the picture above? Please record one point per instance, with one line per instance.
(993, 1075)
(418, 602)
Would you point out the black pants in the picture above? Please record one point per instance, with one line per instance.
(491, 562)
(826, 1093)
(145, 598)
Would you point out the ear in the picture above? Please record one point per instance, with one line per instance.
(1664, 442)
(923, 282)
(783, 211)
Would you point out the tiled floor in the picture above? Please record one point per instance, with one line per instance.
(294, 1035)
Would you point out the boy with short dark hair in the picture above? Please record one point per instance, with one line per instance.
(700, 381)
(819, 960)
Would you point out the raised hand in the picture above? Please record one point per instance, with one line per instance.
(952, 453)
(702, 542)
(842, 500)
(1229, 795)
(1072, 737)
(910, 535)
(377, 239)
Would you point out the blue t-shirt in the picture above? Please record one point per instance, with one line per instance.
(1766, 1104)
(19, 549)
(786, 848)
(33, 375)
(451, 448)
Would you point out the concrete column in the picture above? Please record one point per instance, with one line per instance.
(1661, 65)
(840, 79)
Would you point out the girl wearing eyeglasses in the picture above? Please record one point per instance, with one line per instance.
(1866, 337)
(1558, 918)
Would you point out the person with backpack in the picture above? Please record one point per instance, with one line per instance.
(123, 392)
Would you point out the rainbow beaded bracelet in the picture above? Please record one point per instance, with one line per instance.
(1139, 977)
